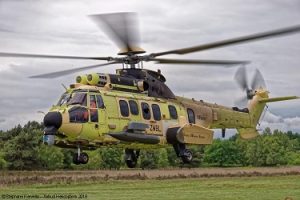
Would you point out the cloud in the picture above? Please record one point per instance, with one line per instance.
(277, 122)
(272, 118)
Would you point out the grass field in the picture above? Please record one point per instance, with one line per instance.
(258, 188)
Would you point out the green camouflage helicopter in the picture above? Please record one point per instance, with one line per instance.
(134, 109)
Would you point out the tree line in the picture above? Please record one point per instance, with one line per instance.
(21, 148)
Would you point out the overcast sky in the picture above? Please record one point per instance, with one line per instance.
(62, 27)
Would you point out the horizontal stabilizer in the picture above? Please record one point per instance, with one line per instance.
(267, 100)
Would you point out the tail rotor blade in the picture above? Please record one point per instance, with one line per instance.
(241, 78)
(258, 81)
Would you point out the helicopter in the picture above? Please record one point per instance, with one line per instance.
(134, 109)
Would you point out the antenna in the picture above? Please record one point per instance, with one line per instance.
(64, 87)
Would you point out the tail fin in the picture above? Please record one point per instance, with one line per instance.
(256, 107)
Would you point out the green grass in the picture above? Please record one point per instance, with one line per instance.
(258, 188)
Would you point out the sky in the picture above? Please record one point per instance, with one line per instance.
(63, 28)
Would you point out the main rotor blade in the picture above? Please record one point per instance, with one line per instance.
(206, 62)
(264, 35)
(258, 81)
(69, 71)
(122, 28)
(241, 78)
(25, 55)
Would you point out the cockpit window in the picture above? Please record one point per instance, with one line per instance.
(78, 114)
(93, 101)
(77, 98)
(63, 99)
(100, 102)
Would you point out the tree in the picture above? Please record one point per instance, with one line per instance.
(148, 159)
(172, 157)
(154, 158)
(293, 158)
(21, 151)
(254, 155)
(3, 163)
(163, 158)
(274, 153)
(222, 153)
(50, 157)
(270, 149)
(111, 158)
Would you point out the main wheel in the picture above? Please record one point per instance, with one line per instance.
(131, 163)
(187, 156)
(130, 158)
(84, 158)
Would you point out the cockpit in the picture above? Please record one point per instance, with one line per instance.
(73, 98)
(78, 98)
(83, 105)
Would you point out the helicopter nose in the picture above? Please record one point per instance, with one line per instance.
(53, 119)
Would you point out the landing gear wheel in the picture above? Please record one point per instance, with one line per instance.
(131, 157)
(83, 158)
(131, 163)
(187, 156)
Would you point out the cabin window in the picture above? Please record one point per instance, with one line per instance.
(124, 108)
(77, 98)
(100, 102)
(133, 107)
(78, 114)
(191, 116)
(93, 109)
(173, 112)
(156, 112)
(146, 111)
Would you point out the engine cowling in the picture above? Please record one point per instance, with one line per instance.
(82, 79)
(97, 79)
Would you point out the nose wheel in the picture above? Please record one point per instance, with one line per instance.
(131, 157)
(80, 158)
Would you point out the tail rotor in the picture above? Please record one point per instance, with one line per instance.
(257, 82)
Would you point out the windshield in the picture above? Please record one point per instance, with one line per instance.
(63, 99)
(77, 98)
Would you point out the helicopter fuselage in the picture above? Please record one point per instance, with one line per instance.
(91, 115)
(134, 110)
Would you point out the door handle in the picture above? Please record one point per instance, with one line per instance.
(96, 126)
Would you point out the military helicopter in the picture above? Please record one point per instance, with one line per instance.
(134, 109)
